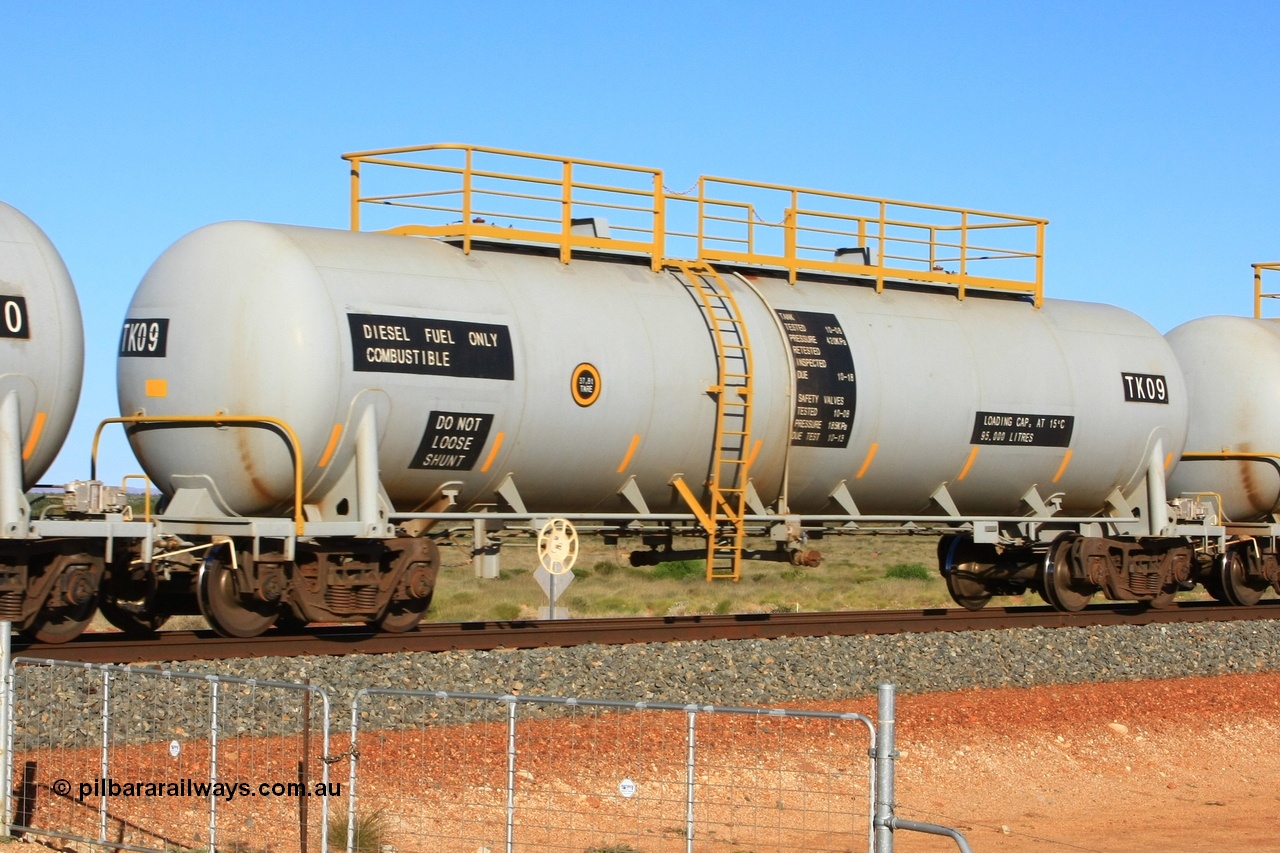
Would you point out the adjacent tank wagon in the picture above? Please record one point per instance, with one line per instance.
(1233, 438)
(45, 580)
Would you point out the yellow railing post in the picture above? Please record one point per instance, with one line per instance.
(355, 195)
(882, 252)
(702, 203)
(789, 240)
(1258, 294)
(1040, 263)
(659, 223)
(1257, 291)
(964, 252)
(566, 212)
(146, 491)
(466, 204)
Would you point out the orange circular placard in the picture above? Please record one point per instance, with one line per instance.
(586, 384)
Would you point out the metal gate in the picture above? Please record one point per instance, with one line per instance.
(158, 760)
(468, 772)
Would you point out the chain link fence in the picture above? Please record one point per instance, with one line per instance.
(140, 759)
(159, 760)
(482, 773)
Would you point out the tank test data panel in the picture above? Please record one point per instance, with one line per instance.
(826, 389)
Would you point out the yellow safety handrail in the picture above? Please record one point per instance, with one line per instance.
(146, 493)
(295, 445)
(816, 223)
(559, 198)
(1258, 295)
(502, 194)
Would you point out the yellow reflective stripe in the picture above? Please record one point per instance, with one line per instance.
(866, 463)
(631, 451)
(37, 427)
(1062, 469)
(1168, 460)
(332, 445)
(493, 454)
(964, 472)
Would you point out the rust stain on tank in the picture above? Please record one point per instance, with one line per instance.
(246, 459)
(1250, 484)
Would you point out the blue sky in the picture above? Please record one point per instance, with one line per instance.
(1148, 133)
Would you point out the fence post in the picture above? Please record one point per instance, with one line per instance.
(689, 782)
(303, 776)
(511, 770)
(213, 765)
(885, 753)
(106, 746)
(6, 702)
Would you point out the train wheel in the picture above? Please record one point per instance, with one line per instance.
(1231, 571)
(62, 625)
(132, 606)
(403, 616)
(1055, 577)
(75, 604)
(955, 562)
(229, 613)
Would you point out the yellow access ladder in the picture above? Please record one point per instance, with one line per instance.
(727, 484)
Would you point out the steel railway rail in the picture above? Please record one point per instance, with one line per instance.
(526, 634)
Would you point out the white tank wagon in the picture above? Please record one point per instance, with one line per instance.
(44, 582)
(502, 371)
(41, 357)
(1233, 441)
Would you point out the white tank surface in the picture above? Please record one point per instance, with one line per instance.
(1228, 364)
(577, 379)
(41, 346)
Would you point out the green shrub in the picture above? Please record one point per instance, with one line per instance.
(680, 570)
(723, 607)
(604, 568)
(908, 572)
(506, 611)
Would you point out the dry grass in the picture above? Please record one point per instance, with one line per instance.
(852, 577)
(884, 572)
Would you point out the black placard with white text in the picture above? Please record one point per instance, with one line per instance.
(1020, 430)
(452, 441)
(826, 388)
(387, 344)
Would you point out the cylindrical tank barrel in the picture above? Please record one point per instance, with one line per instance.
(41, 344)
(581, 381)
(1228, 364)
